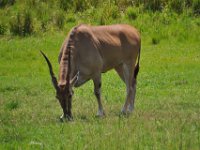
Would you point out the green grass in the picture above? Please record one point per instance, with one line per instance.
(167, 106)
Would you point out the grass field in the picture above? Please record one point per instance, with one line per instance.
(166, 116)
(167, 106)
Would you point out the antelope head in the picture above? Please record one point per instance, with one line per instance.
(63, 92)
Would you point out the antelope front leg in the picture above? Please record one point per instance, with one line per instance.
(97, 92)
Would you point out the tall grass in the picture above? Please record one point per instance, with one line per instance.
(22, 24)
(131, 13)
(177, 6)
(66, 4)
(87, 11)
(4, 3)
(196, 7)
(3, 28)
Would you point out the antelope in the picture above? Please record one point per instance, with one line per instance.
(89, 51)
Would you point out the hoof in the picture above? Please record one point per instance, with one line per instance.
(124, 111)
(64, 118)
(130, 109)
(100, 114)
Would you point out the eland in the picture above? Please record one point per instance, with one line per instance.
(87, 52)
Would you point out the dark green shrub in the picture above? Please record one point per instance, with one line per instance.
(66, 4)
(102, 21)
(153, 5)
(59, 20)
(104, 18)
(28, 23)
(177, 6)
(34, 4)
(3, 3)
(197, 22)
(188, 3)
(75, 5)
(94, 3)
(80, 5)
(114, 12)
(22, 25)
(44, 26)
(71, 18)
(123, 4)
(43, 14)
(155, 40)
(42, 11)
(16, 25)
(131, 13)
(3, 29)
(31, 3)
(196, 7)
(12, 105)
(108, 12)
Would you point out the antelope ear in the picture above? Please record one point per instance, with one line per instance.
(74, 80)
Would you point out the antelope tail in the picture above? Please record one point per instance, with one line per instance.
(137, 67)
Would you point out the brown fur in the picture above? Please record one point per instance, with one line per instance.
(108, 46)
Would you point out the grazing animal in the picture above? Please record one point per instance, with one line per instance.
(89, 51)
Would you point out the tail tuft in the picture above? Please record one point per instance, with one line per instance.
(137, 67)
